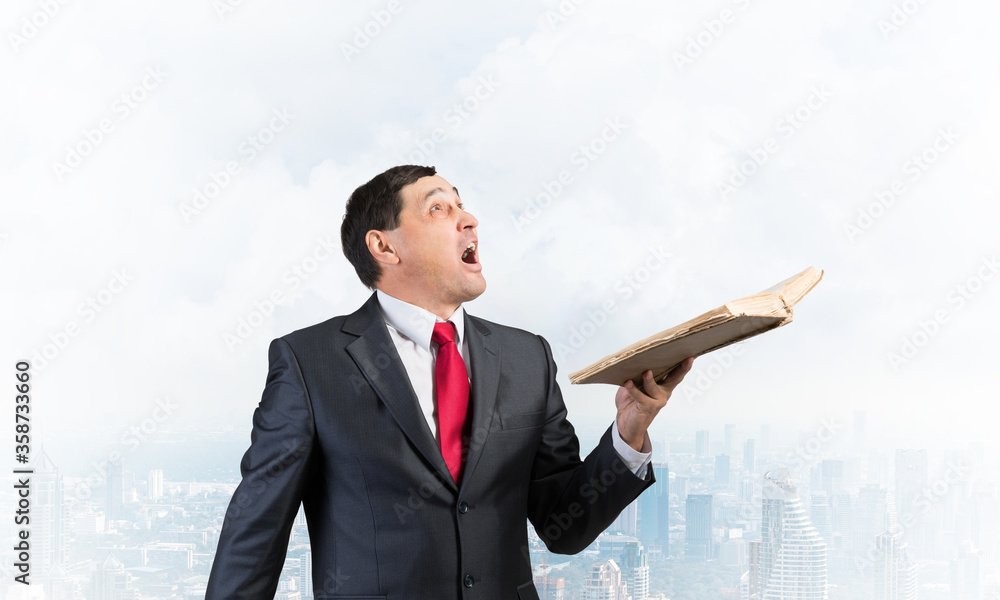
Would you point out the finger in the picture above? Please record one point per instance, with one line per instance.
(634, 392)
(649, 386)
(677, 374)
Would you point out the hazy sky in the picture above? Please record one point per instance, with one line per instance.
(170, 167)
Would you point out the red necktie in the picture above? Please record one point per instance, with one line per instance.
(452, 384)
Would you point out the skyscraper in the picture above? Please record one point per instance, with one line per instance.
(635, 570)
(605, 583)
(966, 574)
(701, 443)
(654, 511)
(911, 481)
(305, 574)
(627, 521)
(871, 517)
(753, 574)
(154, 484)
(895, 576)
(750, 456)
(722, 469)
(698, 528)
(113, 582)
(49, 522)
(792, 555)
(820, 513)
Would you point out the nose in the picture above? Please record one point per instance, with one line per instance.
(467, 220)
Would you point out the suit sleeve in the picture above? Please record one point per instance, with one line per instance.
(255, 532)
(570, 502)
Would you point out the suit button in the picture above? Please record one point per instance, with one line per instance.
(463, 507)
(469, 581)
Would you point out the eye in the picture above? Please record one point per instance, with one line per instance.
(436, 207)
(461, 206)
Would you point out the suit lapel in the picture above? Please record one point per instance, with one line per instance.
(485, 357)
(376, 356)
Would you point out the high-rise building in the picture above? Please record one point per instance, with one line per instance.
(750, 455)
(305, 574)
(832, 476)
(722, 469)
(984, 524)
(154, 484)
(113, 582)
(911, 481)
(627, 521)
(701, 441)
(654, 511)
(871, 517)
(906, 578)
(634, 566)
(753, 573)
(966, 575)
(49, 521)
(605, 583)
(895, 576)
(698, 528)
(821, 514)
(792, 555)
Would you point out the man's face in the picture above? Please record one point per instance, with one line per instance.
(433, 241)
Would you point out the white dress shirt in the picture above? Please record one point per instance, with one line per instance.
(410, 328)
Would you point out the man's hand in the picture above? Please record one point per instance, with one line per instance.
(637, 408)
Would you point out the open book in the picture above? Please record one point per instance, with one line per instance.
(730, 323)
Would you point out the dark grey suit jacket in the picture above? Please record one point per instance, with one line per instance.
(339, 429)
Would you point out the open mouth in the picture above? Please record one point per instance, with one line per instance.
(470, 256)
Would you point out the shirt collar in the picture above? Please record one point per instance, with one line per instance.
(416, 323)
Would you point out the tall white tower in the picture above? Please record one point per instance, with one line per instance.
(792, 554)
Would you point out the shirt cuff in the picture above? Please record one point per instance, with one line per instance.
(637, 462)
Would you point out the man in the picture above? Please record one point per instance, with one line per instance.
(419, 438)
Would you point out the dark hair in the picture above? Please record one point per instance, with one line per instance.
(375, 205)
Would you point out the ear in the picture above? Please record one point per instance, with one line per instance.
(381, 247)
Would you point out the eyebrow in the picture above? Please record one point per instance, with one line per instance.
(438, 190)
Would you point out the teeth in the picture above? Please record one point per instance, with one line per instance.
(470, 248)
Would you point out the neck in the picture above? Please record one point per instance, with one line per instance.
(438, 307)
